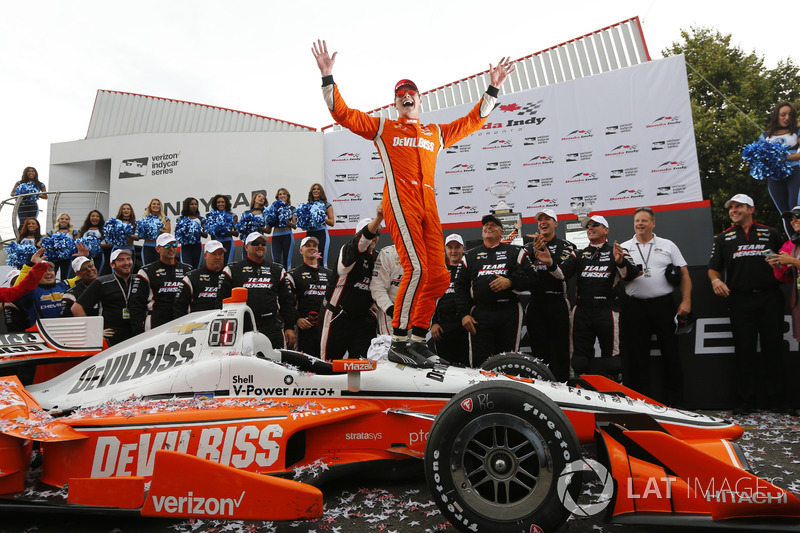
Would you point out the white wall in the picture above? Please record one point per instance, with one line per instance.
(174, 166)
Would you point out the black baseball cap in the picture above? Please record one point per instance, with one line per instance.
(491, 218)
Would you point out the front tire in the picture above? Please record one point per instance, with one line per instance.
(518, 364)
(493, 458)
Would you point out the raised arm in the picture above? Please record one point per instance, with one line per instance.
(498, 74)
(324, 61)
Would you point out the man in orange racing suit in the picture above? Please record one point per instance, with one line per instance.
(408, 150)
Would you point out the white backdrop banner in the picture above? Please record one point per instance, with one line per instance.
(613, 141)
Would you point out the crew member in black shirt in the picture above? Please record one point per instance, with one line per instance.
(309, 282)
(486, 287)
(450, 338)
(599, 267)
(548, 313)
(200, 287)
(269, 293)
(348, 325)
(113, 292)
(739, 272)
(156, 286)
(85, 270)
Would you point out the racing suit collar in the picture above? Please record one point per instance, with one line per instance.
(408, 120)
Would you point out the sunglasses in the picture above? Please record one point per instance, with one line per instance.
(257, 243)
(402, 92)
(593, 225)
(170, 245)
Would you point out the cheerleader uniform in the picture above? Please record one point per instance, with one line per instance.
(321, 233)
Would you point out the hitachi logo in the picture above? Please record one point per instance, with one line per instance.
(197, 505)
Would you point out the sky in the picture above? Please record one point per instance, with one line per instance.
(255, 56)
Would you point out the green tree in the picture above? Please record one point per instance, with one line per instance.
(732, 95)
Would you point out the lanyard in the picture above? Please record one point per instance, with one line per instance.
(126, 295)
(649, 251)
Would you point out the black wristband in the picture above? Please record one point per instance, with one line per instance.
(492, 91)
(327, 80)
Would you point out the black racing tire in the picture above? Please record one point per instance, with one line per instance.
(519, 364)
(494, 456)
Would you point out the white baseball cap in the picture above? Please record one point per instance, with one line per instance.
(309, 238)
(742, 199)
(165, 238)
(78, 263)
(116, 253)
(254, 236)
(597, 218)
(362, 224)
(548, 212)
(213, 246)
(454, 237)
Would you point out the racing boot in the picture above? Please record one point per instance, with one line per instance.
(408, 353)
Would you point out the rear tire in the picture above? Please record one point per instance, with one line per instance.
(518, 364)
(494, 456)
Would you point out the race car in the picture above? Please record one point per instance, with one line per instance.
(185, 420)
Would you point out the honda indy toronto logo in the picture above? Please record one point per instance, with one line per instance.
(348, 197)
(464, 210)
(623, 149)
(669, 120)
(543, 203)
(577, 134)
(347, 156)
(460, 169)
(517, 114)
(627, 194)
(499, 144)
(669, 166)
(582, 177)
(539, 160)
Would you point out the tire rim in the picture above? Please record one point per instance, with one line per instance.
(501, 466)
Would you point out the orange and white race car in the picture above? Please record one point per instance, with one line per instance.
(186, 420)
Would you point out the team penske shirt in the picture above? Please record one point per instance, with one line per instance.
(548, 283)
(309, 284)
(199, 292)
(481, 266)
(269, 293)
(446, 306)
(598, 273)
(350, 290)
(154, 290)
(71, 296)
(740, 257)
(112, 292)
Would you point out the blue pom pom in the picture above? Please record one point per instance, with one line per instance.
(311, 216)
(219, 223)
(187, 230)
(149, 227)
(116, 232)
(59, 247)
(92, 243)
(19, 254)
(767, 160)
(250, 223)
(26, 188)
(279, 214)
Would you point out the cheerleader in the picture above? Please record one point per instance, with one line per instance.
(222, 203)
(317, 194)
(28, 206)
(93, 225)
(257, 205)
(149, 253)
(191, 253)
(30, 232)
(282, 237)
(64, 225)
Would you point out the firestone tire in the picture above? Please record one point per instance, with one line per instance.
(494, 456)
(518, 364)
